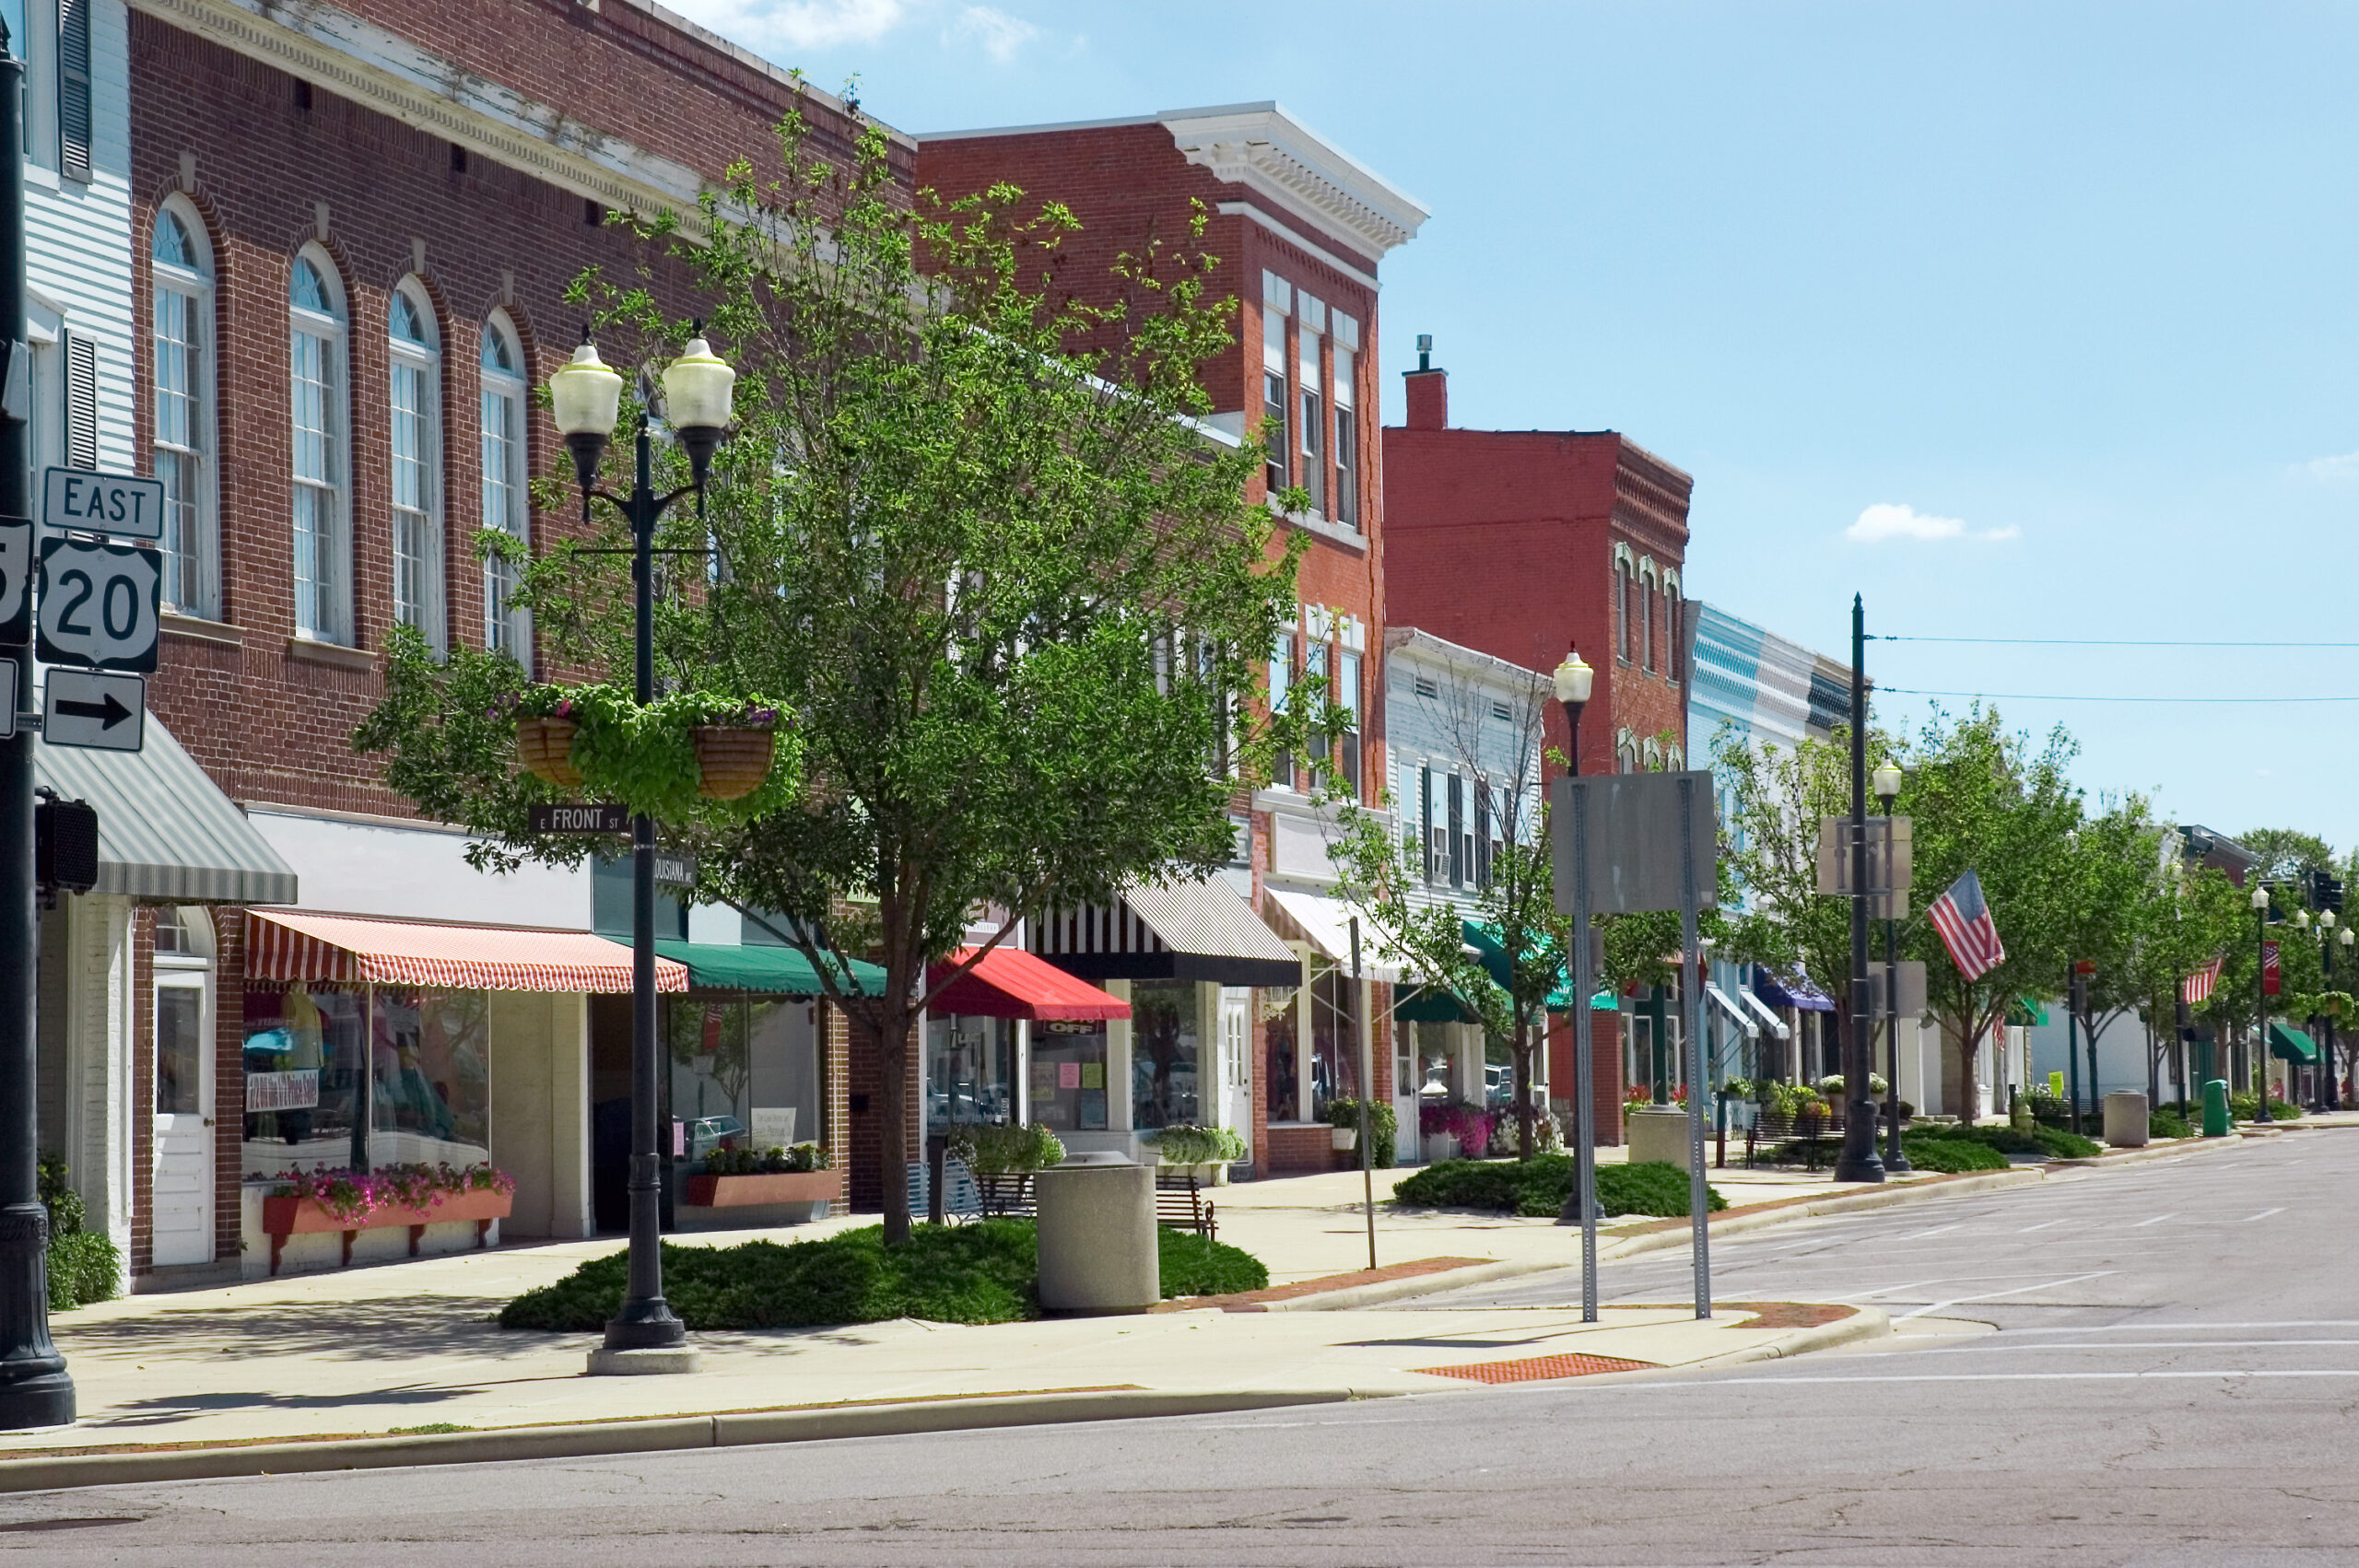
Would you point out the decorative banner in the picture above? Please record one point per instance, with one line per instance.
(2269, 970)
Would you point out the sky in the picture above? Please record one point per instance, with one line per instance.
(2022, 322)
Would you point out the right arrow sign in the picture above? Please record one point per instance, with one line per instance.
(83, 707)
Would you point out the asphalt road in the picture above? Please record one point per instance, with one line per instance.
(2171, 1381)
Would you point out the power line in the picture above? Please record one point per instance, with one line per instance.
(2081, 697)
(2097, 642)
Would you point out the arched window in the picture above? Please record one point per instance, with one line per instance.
(416, 428)
(1647, 614)
(505, 629)
(1623, 590)
(1674, 625)
(181, 444)
(316, 367)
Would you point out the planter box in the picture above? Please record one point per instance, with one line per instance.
(282, 1217)
(1440, 1146)
(780, 1187)
(1214, 1174)
(1342, 1139)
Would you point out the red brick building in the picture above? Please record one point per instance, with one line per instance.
(1298, 231)
(1523, 544)
(353, 227)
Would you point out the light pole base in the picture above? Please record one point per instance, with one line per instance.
(605, 1363)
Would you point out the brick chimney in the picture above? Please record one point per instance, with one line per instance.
(1428, 390)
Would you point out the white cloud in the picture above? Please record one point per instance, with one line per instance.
(796, 24)
(1889, 519)
(998, 34)
(2335, 468)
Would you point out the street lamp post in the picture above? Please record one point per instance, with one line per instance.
(1896, 1161)
(2332, 1100)
(586, 397)
(1858, 1160)
(1574, 680)
(2260, 995)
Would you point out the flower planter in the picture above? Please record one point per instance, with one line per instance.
(777, 1187)
(282, 1217)
(1342, 1139)
(546, 748)
(1212, 1173)
(732, 764)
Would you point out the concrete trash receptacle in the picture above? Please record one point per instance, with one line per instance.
(2125, 1119)
(1098, 1236)
(1656, 1132)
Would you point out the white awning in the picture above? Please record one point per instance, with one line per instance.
(1325, 924)
(1721, 999)
(166, 831)
(1777, 1025)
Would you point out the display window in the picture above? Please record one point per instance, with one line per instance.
(1069, 1076)
(303, 1063)
(969, 1071)
(1334, 1042)
(430, 1078)
(1284, 1075)
(1166, 1033)
(746, 1073)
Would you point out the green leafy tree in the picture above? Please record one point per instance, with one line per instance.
(971, 537)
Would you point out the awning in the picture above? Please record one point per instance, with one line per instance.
(1795, 992)
(2025, 1013)
(1180, 931)
(166, 831)
(1429, 1004)
(1736, 1014)
(2289, 1044)
(759, 966)
(293, 944)
(1009, 983)
(1325, 924)
(1769, 1020)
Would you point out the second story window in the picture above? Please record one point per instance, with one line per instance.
(181, 441)
(505, 629)
(1647, 621)
(1345, 395)
(322, 554)
(1281, 678)
(1276, 302)
(415, 427)
(1347, 696)
(1314, 668)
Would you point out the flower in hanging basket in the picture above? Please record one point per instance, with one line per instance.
(545, 727)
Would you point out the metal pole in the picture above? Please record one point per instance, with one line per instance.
(1367, 1088)
(35, 1388)
(645, 1321)
(2073, 1043)
(2260, 1034)
(1895, 1159)
(1858, 1162)
(1582, 1204)
(1691, 1024)
(2327, 1099)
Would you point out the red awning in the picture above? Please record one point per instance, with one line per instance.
(290, 944)
(1010, 983)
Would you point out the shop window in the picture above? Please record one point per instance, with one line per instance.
(1280, 1069)
(1166, 1033)
(429, 1090)
(1069, 1076)
(745, 1072)
(1334, 1042)
(506, 629)
(321, 567)
(302, 1062)
(969, 1071)
(181, 450)
(414, 425)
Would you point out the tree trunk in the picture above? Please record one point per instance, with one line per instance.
(1523, 1117)
(893, 1097)
(1967, 1100)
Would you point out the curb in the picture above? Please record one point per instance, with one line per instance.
(1384, 1291)
(2151, 1152)
(1865, 1322)
(668, 1435)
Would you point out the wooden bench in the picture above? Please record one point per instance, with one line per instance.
(1178, 1202)
(1772, 1129)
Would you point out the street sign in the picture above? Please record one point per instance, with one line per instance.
(84, 707)
(674, 868)
(101, 503)
(15, 577)
(1633, 819)
(99, 603)
(1835, 859)
(1911, 987)
(610, 817)
(11, 683)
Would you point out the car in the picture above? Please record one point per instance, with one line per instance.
(706, 1133)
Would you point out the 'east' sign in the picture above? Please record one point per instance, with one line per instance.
(85, 502)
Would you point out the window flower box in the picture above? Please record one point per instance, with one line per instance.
(282, 1217)
(707, 1192)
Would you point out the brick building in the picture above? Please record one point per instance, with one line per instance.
(1523, 544)
(1298, 231)
(352, 227)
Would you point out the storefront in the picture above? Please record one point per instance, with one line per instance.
(1017, 1039)
(371, 1043)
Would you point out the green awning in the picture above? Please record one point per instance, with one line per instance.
(1428, 1005)
(2027, 1013)
(1485, 940)
(2289, 1044)
(777, 971)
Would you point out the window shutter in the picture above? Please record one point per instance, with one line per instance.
(1458, 867)
(81, 401)
(1482, 831)
(1426, 815)
(74, 87)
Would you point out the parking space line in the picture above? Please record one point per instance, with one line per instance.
(1993, 1295)
(2156, 1221)
(2264, 1214)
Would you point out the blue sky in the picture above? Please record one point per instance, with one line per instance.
(2024, 320)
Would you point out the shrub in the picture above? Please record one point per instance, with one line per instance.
(1538, 1188)
(1953, 1154)
(84, 1267)
(1471, 1125)
(2058, 1144)
(1384, 1126)
(982, 1272)
(773, 1161)
(2245, 1108)
(999, 1150)
(2167, 1123)
(1185, 1143)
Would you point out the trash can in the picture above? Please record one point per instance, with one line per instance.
(2125, 1119)
(1098, 1236)
(2215, 1108)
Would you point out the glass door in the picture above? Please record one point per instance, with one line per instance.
(182, 1208)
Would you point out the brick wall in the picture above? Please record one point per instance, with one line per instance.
(143, 1092)
(229, 1077)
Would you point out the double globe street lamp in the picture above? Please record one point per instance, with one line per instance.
(587, 399)
(1573, 681)
(2259, 902)
(1896, 1161)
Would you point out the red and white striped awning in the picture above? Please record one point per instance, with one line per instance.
(292, 944)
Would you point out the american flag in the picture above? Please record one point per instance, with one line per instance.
(1963, 920)
(2197, 987)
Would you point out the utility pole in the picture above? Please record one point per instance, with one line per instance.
(35, 1388)
(1858, 1162)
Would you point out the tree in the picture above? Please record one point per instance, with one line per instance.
(969, 535)
(2117, 879)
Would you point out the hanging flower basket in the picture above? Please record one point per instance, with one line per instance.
(732, 763)
(546, 748)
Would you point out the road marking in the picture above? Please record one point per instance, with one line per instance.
(2264, 1214)
(2043, 1226)
(2156, 1221)
(2036, 1376)
(1937, 1230)
(2173, 1345)
(1993, 1295)
(2199, 1327)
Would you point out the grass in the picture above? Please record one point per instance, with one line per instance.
(983, 1272)
(2048, 1143)
(1953, 1154)
(2167, 1123)
(1538, 1188)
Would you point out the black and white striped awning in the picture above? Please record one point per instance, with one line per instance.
(166, 831)
(1191, 931)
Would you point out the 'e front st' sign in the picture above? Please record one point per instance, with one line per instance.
(608, 817)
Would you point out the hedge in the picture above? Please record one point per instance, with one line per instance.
(1539, 1187)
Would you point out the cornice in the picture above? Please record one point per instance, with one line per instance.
(1263, 149)
(359, 61)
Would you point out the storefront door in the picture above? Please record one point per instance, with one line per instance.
(1237, 1062)
(183, 1190)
